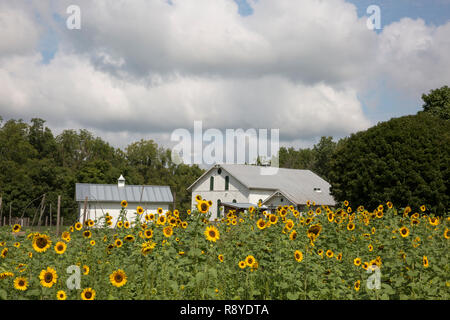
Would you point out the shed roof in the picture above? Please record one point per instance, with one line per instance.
(130, 193)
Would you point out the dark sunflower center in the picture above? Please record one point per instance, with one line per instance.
(41, 242)
(60, 248)
(88, 295)
(212, 233)
(48, 277)
(21, 283)
(204, 207)
(118, 278)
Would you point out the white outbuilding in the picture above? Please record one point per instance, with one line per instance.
(99, 199)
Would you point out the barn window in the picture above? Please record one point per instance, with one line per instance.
(219, 171)
(227, 182)
(211, 184)
(234, 201)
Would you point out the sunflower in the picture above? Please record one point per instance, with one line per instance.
(320, 252)
(124, 203)
(339, 257)
(61, 295)
(6, 274)
(129, 238)
(48, 277)
(86, 270)
(212, 233)
(314, 231)
(60, 247)
(203, 206)
(4, 253)
(447, 233)
(261, 224)
(118, 278)
(415, 222)
(173, 221)
(404, 231)
(389, 204)
(126, 224)
(379, 214)
(273, 219)
(16, 228)
(242, 264)
(433, 221)
(298, 255)
(118, 243)
(357, 262)
(161, 220)
(88, 294)
(148, 233)
(357, 285)
(220, 257)
(329, 253)
(346, 203)
(184, 224)
(17, 244)
(87, 233)
(78, 226)
(198, 198)
(370, 247)
(293, 235)
(373, 230)
(140, 210)
(423, 208)
(168, 231)
(330, 216)
(425, 261)
(41, 243)
(66, 236)
(21, 283)
(90, 223)
(250, 260)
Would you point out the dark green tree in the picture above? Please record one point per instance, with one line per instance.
(404, 160)
(437, 102)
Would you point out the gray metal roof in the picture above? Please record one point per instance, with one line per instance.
(296, 184)
(130, 193)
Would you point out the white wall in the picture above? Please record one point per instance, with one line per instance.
(95, 210)
(278, 200)
(237, 191)
(257, 194)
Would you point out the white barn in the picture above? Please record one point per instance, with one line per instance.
(239, 186)
(106, 198)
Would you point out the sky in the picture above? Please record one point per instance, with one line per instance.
(141, 69)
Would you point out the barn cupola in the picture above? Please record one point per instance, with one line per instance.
(121, 181)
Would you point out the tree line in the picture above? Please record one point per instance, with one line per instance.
(34, 161)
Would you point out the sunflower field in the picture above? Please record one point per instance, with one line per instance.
(321, 253)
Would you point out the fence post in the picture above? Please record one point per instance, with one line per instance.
(58, 213)
(50, 213)
(1, 210)
(10, 208)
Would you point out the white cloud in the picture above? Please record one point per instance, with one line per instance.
(414, 57)
(144, 68)
(19, 34)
